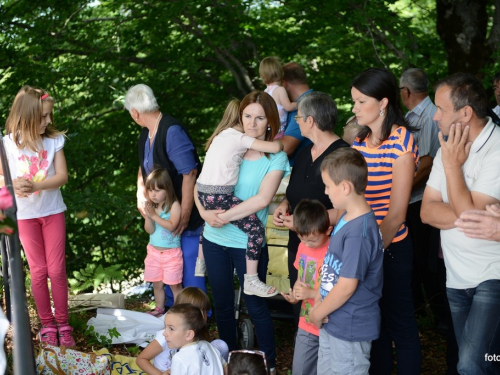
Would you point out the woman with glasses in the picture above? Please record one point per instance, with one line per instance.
(387, 144)
(316, 116)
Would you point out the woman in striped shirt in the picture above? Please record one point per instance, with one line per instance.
(387, 144)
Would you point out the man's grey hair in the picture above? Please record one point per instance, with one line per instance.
(415, 80)
(321, 108)
(141, 98)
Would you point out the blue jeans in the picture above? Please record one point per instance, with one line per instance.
(398, 315)
(476, 319)
(221, 261)
(189, 246)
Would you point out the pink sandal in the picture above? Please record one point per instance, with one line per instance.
(156, 312)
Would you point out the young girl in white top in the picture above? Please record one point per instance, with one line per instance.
(271, 72)
(158, 349)
(37, 165)
(215, 187)
(163, 264)
(184, 324)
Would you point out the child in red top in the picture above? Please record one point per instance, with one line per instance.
(312, 225)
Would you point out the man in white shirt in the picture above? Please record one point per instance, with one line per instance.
(465, 175)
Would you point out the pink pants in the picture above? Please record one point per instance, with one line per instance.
(44, 243)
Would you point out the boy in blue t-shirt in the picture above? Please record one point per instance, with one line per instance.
(351, 276)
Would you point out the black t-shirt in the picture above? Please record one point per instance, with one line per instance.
(306, 183)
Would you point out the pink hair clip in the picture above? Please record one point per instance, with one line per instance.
(44, 96)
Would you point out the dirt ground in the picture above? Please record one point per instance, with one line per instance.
(433, 344)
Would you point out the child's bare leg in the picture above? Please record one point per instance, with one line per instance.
(200, 252)
(200, 267)
(252, 266)
(159, 294)
(176, 289)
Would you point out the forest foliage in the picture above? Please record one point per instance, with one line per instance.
(197, 55)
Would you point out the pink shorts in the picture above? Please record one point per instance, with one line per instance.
(163, 265)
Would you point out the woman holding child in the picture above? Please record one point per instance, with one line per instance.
(391, 154)
(224, 245)
(316, 116)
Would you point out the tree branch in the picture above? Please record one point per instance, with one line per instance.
(494, 39)
(383, 38)
(375, 47)
(100, 114)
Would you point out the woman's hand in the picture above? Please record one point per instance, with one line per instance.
(212, 218)
(288, 222)
(279, 213)
(22, 187)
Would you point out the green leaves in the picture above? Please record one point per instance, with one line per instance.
(196, 56)
(94, 276)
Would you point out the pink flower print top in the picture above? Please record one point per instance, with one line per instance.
(34, 168)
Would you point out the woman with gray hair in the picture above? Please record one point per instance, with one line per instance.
(165, 143)
(316, 116)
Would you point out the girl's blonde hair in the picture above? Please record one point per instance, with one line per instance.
(198, 298)
(194, 296)
(25, 118)
(270, 70)
(160, 179)
(230, 119)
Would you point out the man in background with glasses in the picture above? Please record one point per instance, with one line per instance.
(414, 95)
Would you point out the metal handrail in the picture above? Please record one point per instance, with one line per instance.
(13, 273)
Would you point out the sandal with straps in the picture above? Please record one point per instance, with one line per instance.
(156, 312)
(254, 287)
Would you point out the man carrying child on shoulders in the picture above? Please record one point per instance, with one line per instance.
(351, 281)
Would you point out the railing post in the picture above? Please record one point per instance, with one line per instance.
(24, 358)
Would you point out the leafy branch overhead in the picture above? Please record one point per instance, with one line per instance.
(197, 55)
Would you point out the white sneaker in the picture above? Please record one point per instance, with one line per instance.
(200, 269)
(254, 287)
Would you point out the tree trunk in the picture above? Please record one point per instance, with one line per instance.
(462, 26)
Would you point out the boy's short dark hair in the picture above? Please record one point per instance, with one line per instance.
(347, 164)
(310, 217)
(496, 77)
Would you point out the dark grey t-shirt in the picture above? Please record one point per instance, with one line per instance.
(355, 252)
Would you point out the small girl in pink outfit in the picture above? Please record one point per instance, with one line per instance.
(271, 72)
(34, 149)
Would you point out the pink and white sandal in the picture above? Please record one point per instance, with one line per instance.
(156, 312)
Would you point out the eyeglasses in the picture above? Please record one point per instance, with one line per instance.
(404, 87)
(297, 117)
(255, 352)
